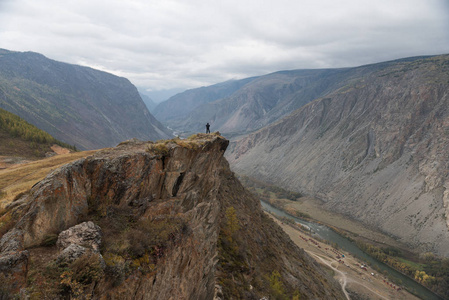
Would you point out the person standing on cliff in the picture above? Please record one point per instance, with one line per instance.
(207, 128)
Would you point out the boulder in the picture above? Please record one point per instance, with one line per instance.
(70, 254)
(11, 241)
(87, 235)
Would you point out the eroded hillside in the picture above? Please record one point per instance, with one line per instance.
(375, 150)
(143, 220)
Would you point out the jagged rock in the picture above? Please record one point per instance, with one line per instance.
(14, 262)
(218, 292)
(84, 238)
(87, 235)
(74, 252)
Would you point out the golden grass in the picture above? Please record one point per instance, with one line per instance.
(194, 142)
(159, 148)
(20, 178)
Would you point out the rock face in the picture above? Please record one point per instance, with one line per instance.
(375, 150)
(175, 222)
(77, 105)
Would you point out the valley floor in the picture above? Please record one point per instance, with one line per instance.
(357, 283)
(356, 230)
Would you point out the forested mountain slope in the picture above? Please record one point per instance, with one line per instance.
(19, 138)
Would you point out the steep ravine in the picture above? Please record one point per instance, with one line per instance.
(151, 221)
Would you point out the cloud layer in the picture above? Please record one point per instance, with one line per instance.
(164, 44)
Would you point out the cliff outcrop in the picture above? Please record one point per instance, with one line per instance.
(375, 150)
(147, 220)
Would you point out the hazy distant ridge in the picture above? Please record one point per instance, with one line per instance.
(239, 107)
(177, 107)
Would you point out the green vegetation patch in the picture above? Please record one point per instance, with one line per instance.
(232, 261)
(427, 269)
(14, 130)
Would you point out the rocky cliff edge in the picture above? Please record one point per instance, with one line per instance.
(145, 220)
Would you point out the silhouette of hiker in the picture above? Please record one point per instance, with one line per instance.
(207, 128)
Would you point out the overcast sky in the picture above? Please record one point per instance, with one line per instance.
(169, 44)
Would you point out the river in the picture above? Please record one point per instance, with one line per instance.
(325, 233)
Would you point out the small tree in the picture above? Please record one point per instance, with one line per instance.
(276, 286)
(232, 221)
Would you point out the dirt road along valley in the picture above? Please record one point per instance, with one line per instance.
(357, 280)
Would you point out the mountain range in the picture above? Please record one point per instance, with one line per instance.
(374, 149)
(78, 105)
(369, 141)
(175, 110)
(243, 106)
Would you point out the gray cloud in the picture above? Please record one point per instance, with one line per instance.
(184, 44)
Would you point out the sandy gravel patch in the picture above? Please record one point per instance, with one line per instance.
(59, 150)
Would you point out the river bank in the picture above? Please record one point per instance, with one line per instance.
(387, 254)
(340, 242)
(305, 206)
(353, 229)
(358, 280)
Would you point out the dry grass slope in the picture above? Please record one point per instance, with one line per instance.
(20, 178)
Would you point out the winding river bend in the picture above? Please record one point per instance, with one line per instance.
(327, 234)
